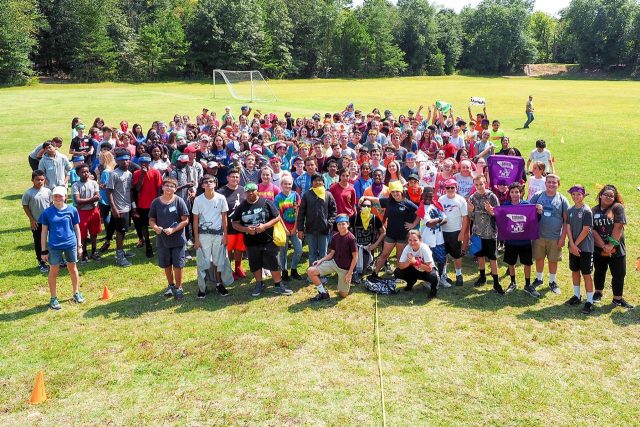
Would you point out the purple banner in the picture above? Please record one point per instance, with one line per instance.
(517, 222)
(503, 170)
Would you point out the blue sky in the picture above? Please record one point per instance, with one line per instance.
(550, 6)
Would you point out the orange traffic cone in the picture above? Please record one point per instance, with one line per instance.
(106, 293)
(39, 394)
(638, 264)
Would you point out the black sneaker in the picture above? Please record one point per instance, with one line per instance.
(285, 275)
(512, 287)
(459, 281)
(179, 294)
(374, 276)
(258, 289)
(201, 295)
(480, 282)
(222, 290)
(621, 303)
(498, 288)
(321, 296)
(532, 291)
(597, 296)
(433, 293)
(168, 293)
(554, 288)
(148, 252)
(283, 290)
(536, 283)
(574, 300)
(408, 288)
(43, 267)
(295, 275)
(588, 308)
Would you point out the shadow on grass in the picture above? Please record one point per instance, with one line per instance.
(17, 230)
(13, 197)
(21, 314)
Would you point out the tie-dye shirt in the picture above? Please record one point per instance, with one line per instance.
(288, 208)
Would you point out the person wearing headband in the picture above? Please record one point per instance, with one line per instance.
(341, 260)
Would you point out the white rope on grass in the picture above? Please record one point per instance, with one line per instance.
(377, 328)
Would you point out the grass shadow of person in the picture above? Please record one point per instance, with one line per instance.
(561, 311)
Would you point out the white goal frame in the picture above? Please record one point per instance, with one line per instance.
(255, 76)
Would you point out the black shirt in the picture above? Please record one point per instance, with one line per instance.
(261, 212)
(234, 199)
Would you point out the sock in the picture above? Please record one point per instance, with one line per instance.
(527, 281)
(552, 277)
(590, 297)
(540, 276)
(513, 279)
(321, 289)
(458, 272)
(276, 284)
(576, 290)
(483, 274)
(495, 279)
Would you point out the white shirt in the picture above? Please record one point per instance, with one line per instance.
(536, 185)
(454, 209)
(544, 157)
(210, 211)
(423, 253)
(432, 236)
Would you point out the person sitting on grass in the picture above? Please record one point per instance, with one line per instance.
(341, 259)
(481, 204)
(579, 226)
(416, 263)
(61, 228)
(518, 249)
(168, 217)
(34, 201)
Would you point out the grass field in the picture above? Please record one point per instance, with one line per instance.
(468, 358)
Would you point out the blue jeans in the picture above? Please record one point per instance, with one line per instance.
(318, 243)
(530, 118)
(297, 252)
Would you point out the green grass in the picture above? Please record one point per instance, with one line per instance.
(469, 357)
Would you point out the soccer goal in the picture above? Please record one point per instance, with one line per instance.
(242, 85)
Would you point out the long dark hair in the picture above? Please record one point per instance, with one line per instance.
(610, 187)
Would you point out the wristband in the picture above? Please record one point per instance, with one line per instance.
(44, 253)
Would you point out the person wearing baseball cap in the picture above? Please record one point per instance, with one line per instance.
(61, 235)
(341, 260)
(456, 230)
(256, 217)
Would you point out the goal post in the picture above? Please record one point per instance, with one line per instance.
(242, 85)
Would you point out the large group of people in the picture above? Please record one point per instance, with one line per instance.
(347, 190)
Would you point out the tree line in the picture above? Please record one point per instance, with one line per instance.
(93, 40)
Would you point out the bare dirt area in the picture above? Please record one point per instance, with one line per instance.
(535, 70)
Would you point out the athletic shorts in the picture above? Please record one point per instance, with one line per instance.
(489, 249)
(388, 239)
(235, 242)
(263, 256)
(513, 252)
(122, 223)
(143, 216)
(547, 248)
(582, 263)
(175, 257)
(90, 222)
(451, 244)
(329, 267)
(70, 255)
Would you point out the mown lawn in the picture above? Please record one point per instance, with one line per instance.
(469, 357)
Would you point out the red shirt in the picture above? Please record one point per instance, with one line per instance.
(150, 187)
(345, 198)
(449, 150)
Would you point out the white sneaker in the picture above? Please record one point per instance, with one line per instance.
(444, 283)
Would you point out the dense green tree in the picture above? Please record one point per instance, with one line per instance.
(386, 57)
(449, 38)
(417, 34)
(276, 59)
(19, 22)
(354, 45)
(543, 29)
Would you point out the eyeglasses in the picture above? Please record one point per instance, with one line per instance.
(450, 188)
(208, 182)
(609, 196)
(366, 206)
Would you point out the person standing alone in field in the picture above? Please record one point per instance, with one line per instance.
(529, 112)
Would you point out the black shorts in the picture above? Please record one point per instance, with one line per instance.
(264, 256)
(489, 249)
(451, 244)
(175, 257)
(513, 252)
(582, 263)
(122, 223)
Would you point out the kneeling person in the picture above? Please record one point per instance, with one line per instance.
(416, 262)
(168, 216)
(341, 259)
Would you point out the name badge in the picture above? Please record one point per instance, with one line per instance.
(547, 213)
(596, 216)
(172, 209)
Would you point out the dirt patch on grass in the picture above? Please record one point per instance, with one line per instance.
(534, 70)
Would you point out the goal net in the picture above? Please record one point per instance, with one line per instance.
(242, 85)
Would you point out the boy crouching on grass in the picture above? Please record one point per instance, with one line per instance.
(579, 228)
(168, 216)
(341, 259)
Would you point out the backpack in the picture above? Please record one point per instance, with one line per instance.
(380, 286)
